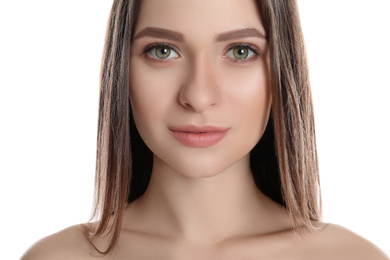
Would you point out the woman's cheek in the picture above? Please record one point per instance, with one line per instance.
(249, 97)
(152, 92)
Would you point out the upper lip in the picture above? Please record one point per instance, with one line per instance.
(198, 129)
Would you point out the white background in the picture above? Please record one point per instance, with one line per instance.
(49, 70)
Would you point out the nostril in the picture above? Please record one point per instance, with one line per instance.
(186, 105)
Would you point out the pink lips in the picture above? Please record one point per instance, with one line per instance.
(198, 136)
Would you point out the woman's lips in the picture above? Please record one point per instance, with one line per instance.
(198, 136)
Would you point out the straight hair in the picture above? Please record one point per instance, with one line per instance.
(284, 162)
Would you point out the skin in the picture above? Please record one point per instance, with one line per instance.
(202, 203)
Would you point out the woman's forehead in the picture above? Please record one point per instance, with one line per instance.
(195, 18)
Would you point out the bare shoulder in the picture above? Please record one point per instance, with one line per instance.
(70, 243)
(340, 243)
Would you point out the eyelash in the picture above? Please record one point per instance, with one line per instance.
(256, 51)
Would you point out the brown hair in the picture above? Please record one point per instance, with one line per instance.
(284, 162)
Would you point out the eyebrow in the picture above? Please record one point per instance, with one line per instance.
(160, 33)
(176, 36)
(238, 34)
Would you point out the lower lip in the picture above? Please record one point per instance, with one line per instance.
(199, 140)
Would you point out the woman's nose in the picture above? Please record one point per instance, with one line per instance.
(199, 91)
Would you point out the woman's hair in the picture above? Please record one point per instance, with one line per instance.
(284, 162)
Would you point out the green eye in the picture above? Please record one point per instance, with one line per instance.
(240, 53)
(162, 52)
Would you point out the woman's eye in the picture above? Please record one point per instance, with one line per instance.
(162, 52)
(240, 53)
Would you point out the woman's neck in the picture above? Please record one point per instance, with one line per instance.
(208, 210)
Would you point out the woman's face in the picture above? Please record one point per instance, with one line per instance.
(199, 86)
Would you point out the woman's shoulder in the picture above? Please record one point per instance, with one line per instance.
(70, 243)
(338, 242)
(327, 241)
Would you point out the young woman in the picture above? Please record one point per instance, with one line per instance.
(206, 143)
